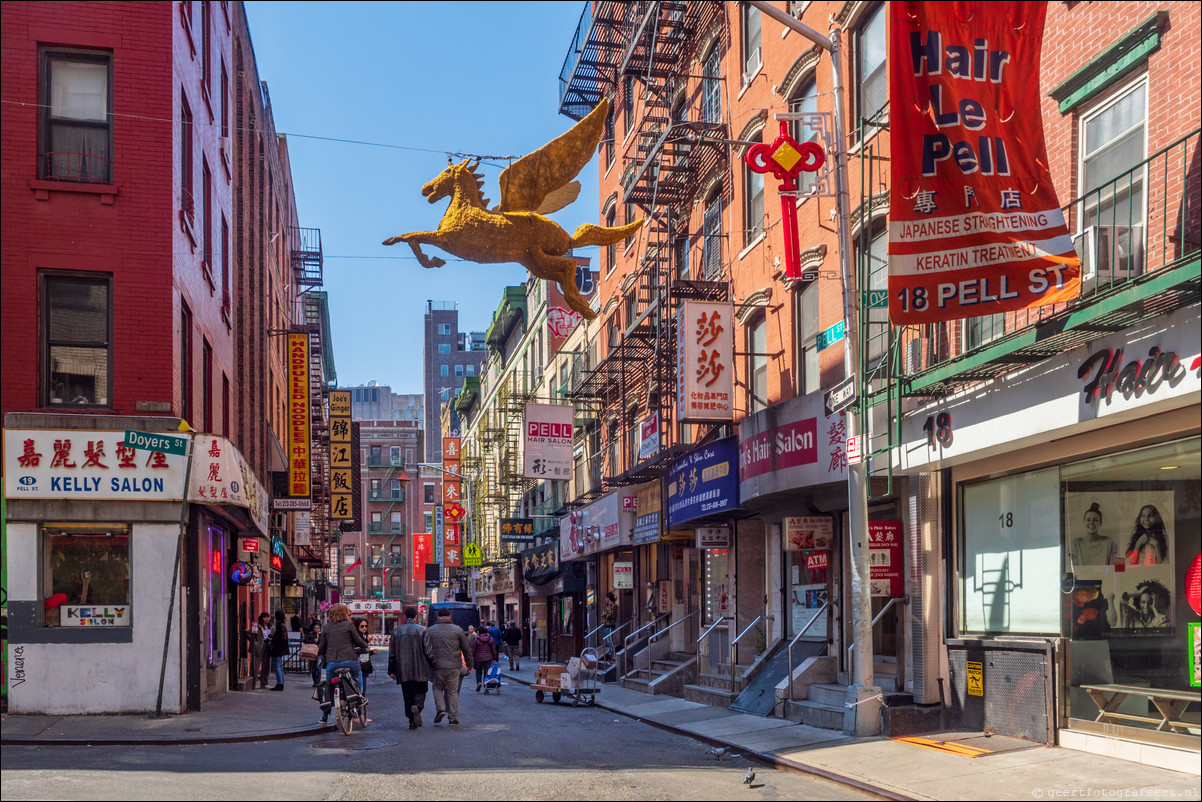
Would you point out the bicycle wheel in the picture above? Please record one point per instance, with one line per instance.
(343, 714)
(363, 712)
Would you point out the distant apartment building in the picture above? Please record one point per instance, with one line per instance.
(450, 357)
(374, 401)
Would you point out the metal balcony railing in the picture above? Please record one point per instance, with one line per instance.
(385, 528)
(384, 461)
(375, 562)
(387, 495)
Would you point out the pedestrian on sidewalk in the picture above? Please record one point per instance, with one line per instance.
(410, 664)
(279, 649)
(447, 644)
(337, 646)
(313, 636)
(262, 647)
(484, 653)
(513, 645)
(495, 632)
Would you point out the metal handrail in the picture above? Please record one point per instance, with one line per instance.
(713, 626)
(903, 599)
(665, 631)
(734, 649)
(609, 638)
(634, 636)
(796, 638)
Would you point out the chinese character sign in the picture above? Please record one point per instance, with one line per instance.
(705, 379)
(974, 224)
(423, 548)
(342, 457)
(885, 558)
(548, 441)
(89, 464)
(298, 415)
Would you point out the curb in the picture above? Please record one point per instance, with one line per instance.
(278, 735)
(763, 758)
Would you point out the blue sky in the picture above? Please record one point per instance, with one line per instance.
(417, 79)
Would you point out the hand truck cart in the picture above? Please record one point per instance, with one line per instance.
(576, 680)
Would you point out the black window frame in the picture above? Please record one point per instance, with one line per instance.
(45, 346)
(47, 125)
(858, 36)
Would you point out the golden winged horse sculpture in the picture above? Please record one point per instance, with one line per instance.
(516, 230)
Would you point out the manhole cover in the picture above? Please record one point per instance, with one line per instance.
(352, 742)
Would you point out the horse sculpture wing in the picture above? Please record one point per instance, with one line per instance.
(527, 182)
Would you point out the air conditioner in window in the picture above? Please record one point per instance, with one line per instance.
(225, 144)
(753, 66)
(1109, 255)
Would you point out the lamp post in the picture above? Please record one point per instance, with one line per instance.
(863, 698)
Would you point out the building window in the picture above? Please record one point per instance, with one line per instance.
(444, 370)
(680, 116)
(711, 237)
(348, 586)
(681, 255)
(805, 101)
(76, 339)
(611, 251)
(627, 105)
(711, 87)
(375, 489)
(753, 204)
(216, 609)
(76, 131)
(444, 329)
(429, 522)
(1112, 223)
(186, 204)
(808, 327)
(757, 364)
(223, 113)
(206, 39)
(609, 138)
(185, 361)
(459, 370)
(395, 520)
(444, 348)
(348, 555)
(206, 219)
(751, 42)
(227, 272)
(206, 383)
(872, 86)
(471, 370)
(89, 565)
(396, 491)
(226, 428)
(980, 330)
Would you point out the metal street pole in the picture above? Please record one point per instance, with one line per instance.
(863, 697)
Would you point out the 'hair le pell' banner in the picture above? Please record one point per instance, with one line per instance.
(975, 227)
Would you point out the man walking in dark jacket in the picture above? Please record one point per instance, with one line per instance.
(409, 663)
(513, 645)
(448, 645)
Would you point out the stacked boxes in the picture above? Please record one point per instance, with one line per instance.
(549, 674)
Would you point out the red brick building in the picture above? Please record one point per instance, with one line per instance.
(148, 258)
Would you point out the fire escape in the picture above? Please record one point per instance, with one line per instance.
(314, 320)
(652, 43)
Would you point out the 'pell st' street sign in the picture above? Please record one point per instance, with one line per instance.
(156, 441)
(841, 396)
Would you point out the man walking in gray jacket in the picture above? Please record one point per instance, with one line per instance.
(410, 664)
(447, 644)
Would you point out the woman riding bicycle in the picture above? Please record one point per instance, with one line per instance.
(337, 645)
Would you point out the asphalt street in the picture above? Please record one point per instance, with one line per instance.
(508, 747)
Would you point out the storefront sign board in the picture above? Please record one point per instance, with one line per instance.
(603, 525)
(548, 441)
(93, 465)
(623, 575)
(704, 482)
(804, 532)
(790, 445)
(705, 362)
(885, 558)
(713, 537)
(89, 615)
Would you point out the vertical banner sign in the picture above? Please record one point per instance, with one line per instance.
(298, 415)
(548, 445)
(705, 373)
(355, 524)
(439, 532)
(974, 224)
(342, 457)
(423, 550)
(452, 484)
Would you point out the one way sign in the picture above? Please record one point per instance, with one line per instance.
(841, 397)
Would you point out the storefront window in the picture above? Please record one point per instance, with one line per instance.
(1010, 558)
(808, 578)
(565, 614)
(1131, 526)
(717, 585)
(85, 575)
(216, 607)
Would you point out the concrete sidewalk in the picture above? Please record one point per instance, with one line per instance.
(894, 769)
(889, 768)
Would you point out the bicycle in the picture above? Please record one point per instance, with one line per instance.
(349, 702)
